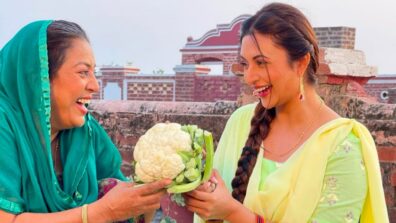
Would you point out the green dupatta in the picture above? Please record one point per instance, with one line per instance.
(27, 179)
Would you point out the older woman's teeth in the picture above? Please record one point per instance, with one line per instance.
(84, 101)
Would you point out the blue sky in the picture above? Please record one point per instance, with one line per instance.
(150, 33)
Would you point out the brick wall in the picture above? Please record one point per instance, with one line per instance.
(187, 86)
(215, 88)
(149, 87)
(392, 96)
(336, 37)
(150, 91)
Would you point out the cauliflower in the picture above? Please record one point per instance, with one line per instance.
(156, 152)
(169, 150)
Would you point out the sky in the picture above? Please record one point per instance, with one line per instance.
(150, 33)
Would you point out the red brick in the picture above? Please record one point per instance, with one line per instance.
(387, 154)
(392, 214)
(393, 179)
(127, 155)
(323, 69)
(331, 79)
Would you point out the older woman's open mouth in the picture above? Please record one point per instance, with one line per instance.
(82, 104)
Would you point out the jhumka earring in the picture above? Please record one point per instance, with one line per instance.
(302, 93)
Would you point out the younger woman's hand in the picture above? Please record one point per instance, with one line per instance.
(212, 199)
(208, 186)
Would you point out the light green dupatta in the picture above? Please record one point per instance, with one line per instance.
(292, 192)
(27, 179)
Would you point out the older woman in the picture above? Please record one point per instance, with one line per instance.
(53, 152)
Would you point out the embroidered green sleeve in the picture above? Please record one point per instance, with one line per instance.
(345, 185)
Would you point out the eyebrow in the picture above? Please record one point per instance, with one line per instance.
(84, 63)
(255, 57)
(242, 57)
(260, 56)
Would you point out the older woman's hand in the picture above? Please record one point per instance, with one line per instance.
(128, 200)
(211, 200)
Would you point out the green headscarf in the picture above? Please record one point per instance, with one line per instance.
(27, 179)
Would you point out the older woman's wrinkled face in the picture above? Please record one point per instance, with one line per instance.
(72, 86)
(274, 79)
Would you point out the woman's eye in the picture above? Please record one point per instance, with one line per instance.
(84, 73)
(244, 65)
(261, 63)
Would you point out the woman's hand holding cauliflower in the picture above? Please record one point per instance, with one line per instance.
(172, 151)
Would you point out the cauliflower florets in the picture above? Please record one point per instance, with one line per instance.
(156, 155)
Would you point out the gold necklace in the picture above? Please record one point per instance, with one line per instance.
(310, 123)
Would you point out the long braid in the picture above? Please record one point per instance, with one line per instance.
(260, 126)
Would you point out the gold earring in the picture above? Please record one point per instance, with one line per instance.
(302, 93)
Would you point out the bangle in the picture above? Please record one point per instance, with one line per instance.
(259, 219)
(84, 213)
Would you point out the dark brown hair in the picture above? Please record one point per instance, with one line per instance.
(60, 34)
(291, 30)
